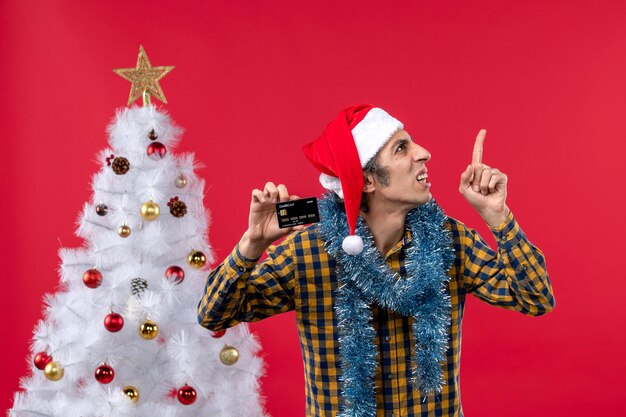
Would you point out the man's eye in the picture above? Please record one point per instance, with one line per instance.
(400, 148)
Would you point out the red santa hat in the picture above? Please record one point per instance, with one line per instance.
(347, 144)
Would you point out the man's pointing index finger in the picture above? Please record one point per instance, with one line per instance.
(477, 155)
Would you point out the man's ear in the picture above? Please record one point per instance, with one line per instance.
(368, 182)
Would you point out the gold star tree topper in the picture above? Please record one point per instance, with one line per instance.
(144, 78)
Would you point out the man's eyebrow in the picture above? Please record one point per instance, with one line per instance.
(399, 141)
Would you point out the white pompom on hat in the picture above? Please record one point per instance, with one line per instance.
(347, 144)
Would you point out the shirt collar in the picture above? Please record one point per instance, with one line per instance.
(406, 239)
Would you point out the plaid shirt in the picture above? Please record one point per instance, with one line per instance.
(300, 275)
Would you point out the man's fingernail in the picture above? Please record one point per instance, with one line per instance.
(274, 200)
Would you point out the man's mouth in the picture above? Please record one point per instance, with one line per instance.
(422, 177)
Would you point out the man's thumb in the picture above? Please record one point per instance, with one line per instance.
(466, 177)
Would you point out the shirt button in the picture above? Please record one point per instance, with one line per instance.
(387, 338)
(389, 376)
(241, 269)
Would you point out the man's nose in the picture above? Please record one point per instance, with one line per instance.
(420, 154)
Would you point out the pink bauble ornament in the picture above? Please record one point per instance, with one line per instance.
(113, 322)
(218, 333)
(104, 374)
(92, 278)
(156, 150)
(186, 395)
(175, 273)
(41, 359)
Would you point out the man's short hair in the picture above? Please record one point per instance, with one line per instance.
(380, 173)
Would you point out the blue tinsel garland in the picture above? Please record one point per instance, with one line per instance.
(365, 279)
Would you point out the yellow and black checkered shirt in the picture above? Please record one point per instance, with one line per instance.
(300, 275)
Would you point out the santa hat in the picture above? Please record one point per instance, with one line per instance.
(349, 142)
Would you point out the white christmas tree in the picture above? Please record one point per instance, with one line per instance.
(121, 337)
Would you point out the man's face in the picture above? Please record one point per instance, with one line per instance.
(404, 160)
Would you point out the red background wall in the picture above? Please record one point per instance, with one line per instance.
(254, 81)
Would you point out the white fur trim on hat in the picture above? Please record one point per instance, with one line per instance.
(331, 183)
(370, 135)
(373, 132)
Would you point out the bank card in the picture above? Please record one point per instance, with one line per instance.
(297, 212)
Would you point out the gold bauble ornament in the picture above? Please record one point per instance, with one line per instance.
(181, 181)
(196, 259)
(123, 231)
(148, 330)
(132, 393)
(53, 371)
(229, 355)
(150, 210)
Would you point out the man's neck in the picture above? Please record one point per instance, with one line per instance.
(387, 226)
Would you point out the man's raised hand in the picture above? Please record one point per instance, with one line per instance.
(263, 227)
(485, 187)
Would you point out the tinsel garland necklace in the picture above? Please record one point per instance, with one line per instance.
(365, 279)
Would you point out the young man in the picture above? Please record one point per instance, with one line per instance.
(379, 284)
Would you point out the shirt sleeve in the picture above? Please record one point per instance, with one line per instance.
(514, 277)
(240, 290)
